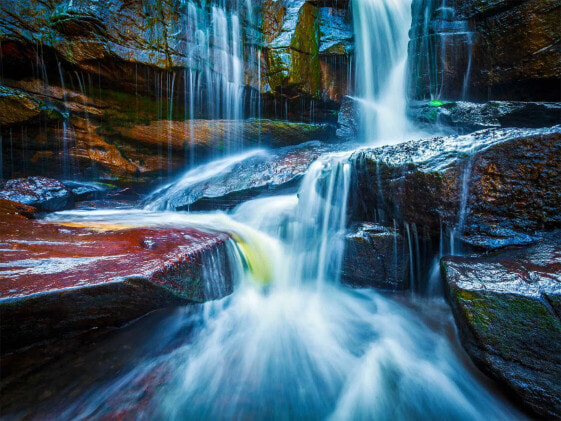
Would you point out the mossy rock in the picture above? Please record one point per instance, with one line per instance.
(506, 307)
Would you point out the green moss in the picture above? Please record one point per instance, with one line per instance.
(305, 64)
(514, 326)
(128, 110)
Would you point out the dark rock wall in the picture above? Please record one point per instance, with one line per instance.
(483, 50)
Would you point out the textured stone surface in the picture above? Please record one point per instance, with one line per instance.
(43, 193)
(513, 45)
(58, 279)
(467, 116)
(376, 257)
(507, 307)
(493, 187)
(307, 49)
(250, 175)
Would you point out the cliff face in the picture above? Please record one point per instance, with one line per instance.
(105, 88)
(486, 49)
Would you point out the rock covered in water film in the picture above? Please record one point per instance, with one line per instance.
(375, 257)
(58, 279)
(43, 193)
(494, 187)
(464, 117)
(508, 310)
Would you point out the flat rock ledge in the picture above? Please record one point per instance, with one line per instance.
(60, 279)
(507, 307)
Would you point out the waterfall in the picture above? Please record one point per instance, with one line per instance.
(443, 44)
(214, 58)
(290, 342)
(381, 33)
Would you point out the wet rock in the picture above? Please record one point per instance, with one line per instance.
(17, 107)
(57, 279)
(43, 193)
(307, 49)
(493, 188)
(12, 211)
(485, 50)
(349, 119)
(212, 135)
(375, 257)
(293, 55)
(507, 307)
(239, 178)
(85, 190)
(468, 116)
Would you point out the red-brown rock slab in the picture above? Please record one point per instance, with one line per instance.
(56, 279)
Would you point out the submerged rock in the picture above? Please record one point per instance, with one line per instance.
(493, 188)
(508, 307)
(43, 193)
(375, 256)
(58, 279)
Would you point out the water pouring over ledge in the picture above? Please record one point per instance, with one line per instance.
(381, 32)
(290, 343)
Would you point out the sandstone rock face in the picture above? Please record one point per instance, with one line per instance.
(43, 193)
(60, 279)
(109, 90)
(307, 48)
(507, 307)
(375, 257)
(493, 188)
(478, 49)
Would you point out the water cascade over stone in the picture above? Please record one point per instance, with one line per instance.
(381, 33)
(440, 51)
(214, 51)
(290, 342)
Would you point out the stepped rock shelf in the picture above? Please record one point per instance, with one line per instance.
(57, 279)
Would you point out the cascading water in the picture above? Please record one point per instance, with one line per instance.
(290, 342)
(381, 33)
(443, 42)
(214, 68)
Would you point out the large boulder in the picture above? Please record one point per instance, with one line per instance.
(60, 279)
(490, 189)
(485, 49)
(507, 307)
(43, 193)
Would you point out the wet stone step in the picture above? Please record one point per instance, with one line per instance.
(57, 279)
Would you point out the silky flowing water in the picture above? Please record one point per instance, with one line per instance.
(291, 342)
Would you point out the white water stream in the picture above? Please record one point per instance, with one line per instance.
(381, 35)
(291, 343)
